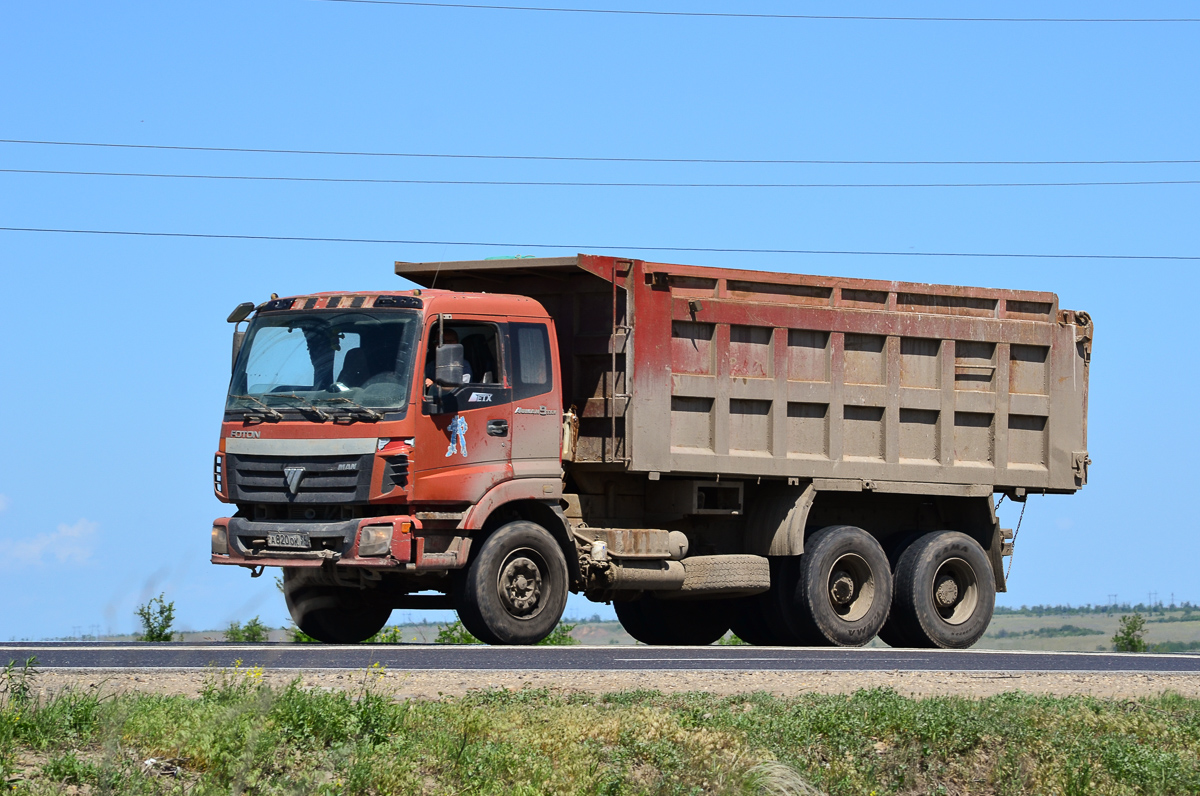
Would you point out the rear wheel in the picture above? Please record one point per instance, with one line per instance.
(844, 591)
(330, 613)
(762, 620)
(683, 623)
(750, 624)
(893, 632)
(514, 591)
(945, 592)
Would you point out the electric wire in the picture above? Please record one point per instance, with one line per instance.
(582, 247)
(740, 15)
(592, 159)
(581, 184)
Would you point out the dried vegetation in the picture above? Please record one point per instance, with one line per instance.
(242, 736)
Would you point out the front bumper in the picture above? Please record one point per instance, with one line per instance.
(247, 543)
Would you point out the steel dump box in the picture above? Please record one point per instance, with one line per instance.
(714, 372)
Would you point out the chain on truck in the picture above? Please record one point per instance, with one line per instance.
(801, 460)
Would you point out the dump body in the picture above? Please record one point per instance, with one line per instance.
(851, 384)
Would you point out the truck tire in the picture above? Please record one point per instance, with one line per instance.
(680, 623)
(329, 613)
(750, 624)
(761, 620)
(844, 591)
(944, 592)
(515, 589)
(894, 633)
(729, 576)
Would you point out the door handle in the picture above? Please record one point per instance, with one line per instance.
(497, 428)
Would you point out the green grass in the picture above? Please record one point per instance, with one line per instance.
(1048, 632)
(1175, 646)
(241, 736)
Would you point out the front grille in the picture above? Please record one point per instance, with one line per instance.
(319, 479)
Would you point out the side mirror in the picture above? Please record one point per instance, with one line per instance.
(240, 313)
(448, 367)
(239, 336)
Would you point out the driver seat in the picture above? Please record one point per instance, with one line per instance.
(354, 368)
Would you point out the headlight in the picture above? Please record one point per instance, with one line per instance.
(375, 540)
(220, 540)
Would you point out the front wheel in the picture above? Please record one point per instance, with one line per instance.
(515, 589)
(329, 613)
(945, 592)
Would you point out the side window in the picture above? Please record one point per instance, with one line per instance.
(531, 360)
(481, 351)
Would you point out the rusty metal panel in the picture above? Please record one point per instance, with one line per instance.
(630, 543)
(747, 374)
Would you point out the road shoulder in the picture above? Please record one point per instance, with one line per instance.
(427, 684)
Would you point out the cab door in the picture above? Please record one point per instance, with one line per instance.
(462, 453)
(537, 399)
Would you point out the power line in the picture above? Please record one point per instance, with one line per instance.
(730, 15)
(582, 246)
(589, 159)
(565, 184)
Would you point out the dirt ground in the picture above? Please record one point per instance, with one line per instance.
(427, 684)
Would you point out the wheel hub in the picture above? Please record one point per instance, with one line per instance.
(851, 587)
(945, 591)
(841, 587)
(520, 586)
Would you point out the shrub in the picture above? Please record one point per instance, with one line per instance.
(16, 685)
(455, 634)
(1175, 646)
(389, 635)
(298, 636)
(68, 769)
(156, 617)
(560, 636)
(252, 631)
(1130, 637)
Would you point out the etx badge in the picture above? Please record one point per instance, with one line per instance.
(458, 435)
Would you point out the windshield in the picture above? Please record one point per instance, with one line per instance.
(327, 360)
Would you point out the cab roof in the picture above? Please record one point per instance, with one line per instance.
(428, 301)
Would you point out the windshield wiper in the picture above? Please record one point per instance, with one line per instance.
(321, 414)
(354, 411)
(266, 413)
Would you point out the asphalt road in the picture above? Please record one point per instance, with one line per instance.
(411, 657)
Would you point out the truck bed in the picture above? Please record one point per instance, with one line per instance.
(857, 384)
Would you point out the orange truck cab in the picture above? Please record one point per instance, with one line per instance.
(350, 462)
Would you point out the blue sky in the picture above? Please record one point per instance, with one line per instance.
(118, 350)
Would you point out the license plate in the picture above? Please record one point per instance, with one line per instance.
(295, 541)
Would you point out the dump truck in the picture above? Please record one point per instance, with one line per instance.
(802, 460)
